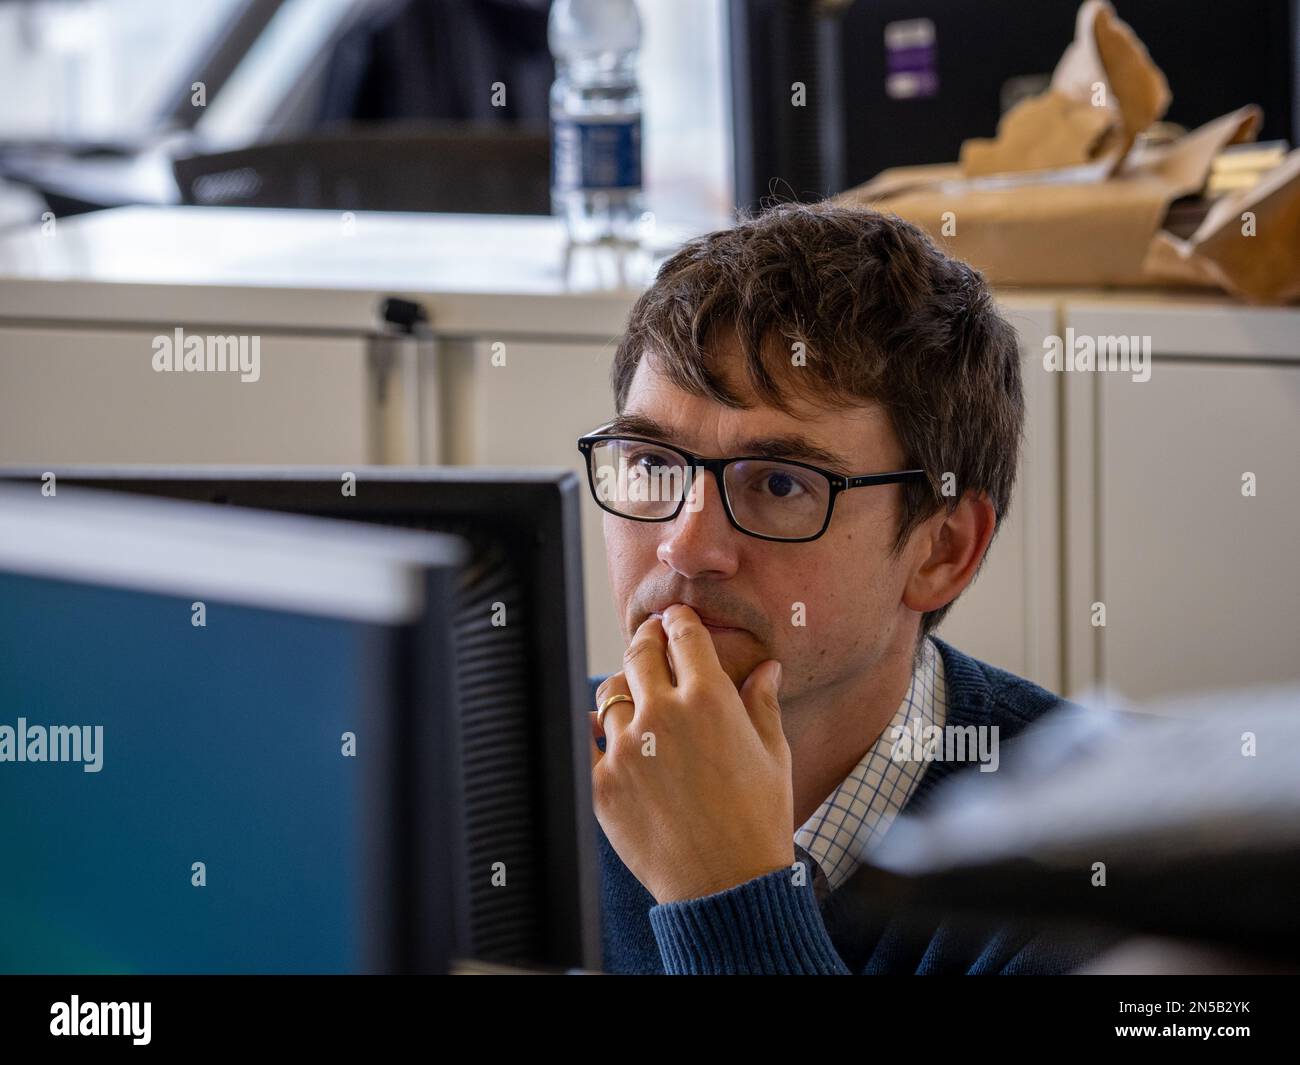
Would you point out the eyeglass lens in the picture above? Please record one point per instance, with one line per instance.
(768, 497)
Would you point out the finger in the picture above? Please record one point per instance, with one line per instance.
(597, 737)
(761, 695)
(694, 657)
(645, 663)
(620, 714)
(614, 684)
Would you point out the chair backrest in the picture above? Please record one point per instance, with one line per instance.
(449, 167)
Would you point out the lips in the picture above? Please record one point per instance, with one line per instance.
(713, 624)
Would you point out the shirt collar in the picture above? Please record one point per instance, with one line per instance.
(857, 814)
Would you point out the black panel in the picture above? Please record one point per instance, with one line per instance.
(1216, 56)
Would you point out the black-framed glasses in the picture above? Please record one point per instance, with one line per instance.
(773, 499)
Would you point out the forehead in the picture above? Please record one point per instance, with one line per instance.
(855, 439)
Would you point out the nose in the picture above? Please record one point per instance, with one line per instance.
(700, 541)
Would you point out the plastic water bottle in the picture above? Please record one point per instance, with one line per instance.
(596, 119)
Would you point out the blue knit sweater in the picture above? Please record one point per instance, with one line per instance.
(770, 925)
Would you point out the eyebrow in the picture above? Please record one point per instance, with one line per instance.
(789, 446)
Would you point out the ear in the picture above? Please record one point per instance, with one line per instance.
(950, 547)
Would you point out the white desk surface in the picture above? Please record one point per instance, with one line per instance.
(318, 268)
(479, 275)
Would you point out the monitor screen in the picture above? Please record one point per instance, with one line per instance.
(198, 780)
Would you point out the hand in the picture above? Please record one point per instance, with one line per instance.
(694, 788)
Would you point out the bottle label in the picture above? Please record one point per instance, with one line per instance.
(587, 154)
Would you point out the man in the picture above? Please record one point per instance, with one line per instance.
(778, 608)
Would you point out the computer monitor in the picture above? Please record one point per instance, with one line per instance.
(530, 877)
(216, 754)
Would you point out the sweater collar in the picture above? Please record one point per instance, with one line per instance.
(969, 703)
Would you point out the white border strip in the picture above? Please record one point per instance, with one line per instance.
(202, 552)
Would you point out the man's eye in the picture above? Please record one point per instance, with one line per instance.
(648, 460)
(779, 484)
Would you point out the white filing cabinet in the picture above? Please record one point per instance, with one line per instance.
(1200, 582)
(91, 395)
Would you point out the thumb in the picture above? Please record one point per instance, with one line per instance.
(761, 695)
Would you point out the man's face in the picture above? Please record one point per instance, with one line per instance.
(827, 609)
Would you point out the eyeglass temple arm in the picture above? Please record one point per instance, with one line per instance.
(886, 478)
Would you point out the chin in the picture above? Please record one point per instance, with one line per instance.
(737, 665)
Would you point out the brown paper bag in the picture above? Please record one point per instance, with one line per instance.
(1104, 92)
(1068, 195)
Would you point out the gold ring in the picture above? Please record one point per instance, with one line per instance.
(606, 703)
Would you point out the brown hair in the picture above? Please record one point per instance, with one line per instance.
(883, 315)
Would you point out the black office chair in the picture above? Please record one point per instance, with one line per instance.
(445, 166)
